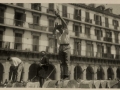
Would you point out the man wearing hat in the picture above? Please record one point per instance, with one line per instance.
(64, 48)
(43, 68)
(16, 62)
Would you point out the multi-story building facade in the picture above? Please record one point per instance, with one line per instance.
(26, 29)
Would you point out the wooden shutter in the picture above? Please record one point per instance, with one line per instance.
(100, 20)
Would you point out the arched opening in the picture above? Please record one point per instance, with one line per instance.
(110, 73)
(51, 71)
(32, 71)
(78, 74)
(1, 72)
(118, 73)
(12, 73)
(100, 73)
(89, 73)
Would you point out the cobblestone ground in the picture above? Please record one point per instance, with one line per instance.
(66, 84)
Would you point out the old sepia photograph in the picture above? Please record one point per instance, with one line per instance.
(59, 45)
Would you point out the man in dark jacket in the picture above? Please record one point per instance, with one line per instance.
(43, 68)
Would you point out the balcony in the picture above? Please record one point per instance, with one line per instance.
(88, 20)
(116, 40)
(108, 55)
(77, 17)
(99, 55)
(98, 23)
(106, 24)
(35, 47)
(117, 56)
(77, 52)
(108, 39)
(36, 26)
(18, 46)
(89, 53)
(116, 27)
(18, 23)
(77, 33)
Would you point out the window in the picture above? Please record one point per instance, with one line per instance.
(20, 17)
(108, 36)
(64, 11)
(36, 6)
(87, 31)
(77, 29)
(115, 24)
(98, 33)
(35, 43)
(1, 15)
(117, 52)
(108, 49)
(77, 14)
(106, 22)
(89, 49)
(51, 24)
(87, 17)
(77, 47)
(116, 37)
(51, 6)
(52, 48)
(36, 20)
(98, 20)
(18, 41)
(99, 50)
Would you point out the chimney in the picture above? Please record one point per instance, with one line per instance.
(101, 7)
(108, 10)
(92, 5)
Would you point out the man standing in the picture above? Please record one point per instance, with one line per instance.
(16, 62)
(64, 48)
(43, 68)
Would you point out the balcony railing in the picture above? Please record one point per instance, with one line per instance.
(89, 53)
(106, 24)
(117, 56)
(108, 55)
(108, 39)
(88, 20)
(98, 23)
(116, 40)
(18, 23)
(116, 27)
(54, 50)
(99, 55)
(77, 52)
(36, 26)
(77, 17)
